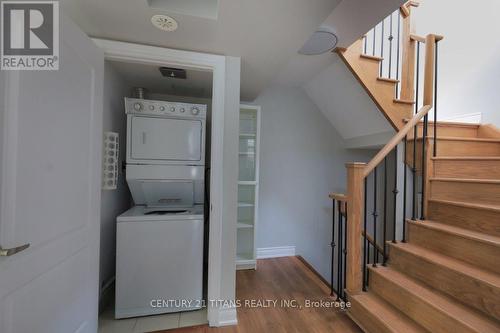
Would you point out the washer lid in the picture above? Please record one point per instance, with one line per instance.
(143, 213)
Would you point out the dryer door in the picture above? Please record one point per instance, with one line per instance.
(166, 140)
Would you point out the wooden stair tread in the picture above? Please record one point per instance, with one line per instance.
(371, 57)
(467, 204)
(393, 319)
(439, 301)
(465, 180)
(466, 158)
(447, 123)
(389, 80)
(403, 101)
(459, 232)
(455, 138)
(451, 264)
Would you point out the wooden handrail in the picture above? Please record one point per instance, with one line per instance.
(417, 38)
(421, 39)
(372, 242)
(338, 196)
(395, 140)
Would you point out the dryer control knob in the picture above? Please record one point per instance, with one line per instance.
(137, 106)
(151, 107)
(183, 110)
(162, 108)
(195, 111)
(172, 109)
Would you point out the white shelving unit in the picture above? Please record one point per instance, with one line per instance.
(248, 186)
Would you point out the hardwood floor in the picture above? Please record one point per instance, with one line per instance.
(282, 279)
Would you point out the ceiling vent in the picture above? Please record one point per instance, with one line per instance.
(199, 8)
(321, 41)
(164, 22)
(174, 73)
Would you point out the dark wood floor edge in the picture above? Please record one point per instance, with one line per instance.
(311, 268)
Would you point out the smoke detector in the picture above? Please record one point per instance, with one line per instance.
(164, 22)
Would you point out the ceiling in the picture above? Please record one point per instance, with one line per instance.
(197, 83)
(265, 34)
(350, 20)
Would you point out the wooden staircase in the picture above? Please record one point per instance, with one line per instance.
(446, 276)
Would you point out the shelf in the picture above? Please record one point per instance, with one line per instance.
(245, 204)
(244, 225)
(247, 182)
(248, 135)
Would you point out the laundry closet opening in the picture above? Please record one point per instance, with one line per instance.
(154, 213)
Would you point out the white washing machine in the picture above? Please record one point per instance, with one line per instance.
(159, 261)
(159, 242)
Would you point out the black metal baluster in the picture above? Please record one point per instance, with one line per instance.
(382, 48)
(415, 137)
(435, 99)
(384, 235)
(403, 239)
(332, 244)
(345, 254)
(339, 254)
(391, 37)
(424, 160)
(375, 215)
(366, 249)
(397, 58)
(395, 192)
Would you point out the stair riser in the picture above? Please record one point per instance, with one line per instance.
(478, 253)
(476, 169)
(475, 219)
(480, 193)
(424, 313)
(365, 319)
(467, 148)
(463, 288)
(454, 131)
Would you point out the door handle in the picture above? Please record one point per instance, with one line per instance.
(12, 251)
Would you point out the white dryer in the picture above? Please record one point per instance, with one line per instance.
(161, 132)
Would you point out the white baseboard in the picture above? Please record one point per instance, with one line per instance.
(225, 316)
(275, 252)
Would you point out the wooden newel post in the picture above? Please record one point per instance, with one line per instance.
(355, 207)
(430, 49)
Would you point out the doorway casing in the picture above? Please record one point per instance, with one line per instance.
(220, 315)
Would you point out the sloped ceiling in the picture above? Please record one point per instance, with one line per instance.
(344, 102)
(265, 34)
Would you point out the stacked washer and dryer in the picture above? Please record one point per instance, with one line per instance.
(159, 255)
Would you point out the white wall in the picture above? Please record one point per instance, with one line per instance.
(113, 202)
(302, 161)
(469, 54)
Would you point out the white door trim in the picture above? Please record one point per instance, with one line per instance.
(128, 52)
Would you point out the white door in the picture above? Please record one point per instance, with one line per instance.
(50, 150)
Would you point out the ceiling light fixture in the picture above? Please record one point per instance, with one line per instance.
(164, 22)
